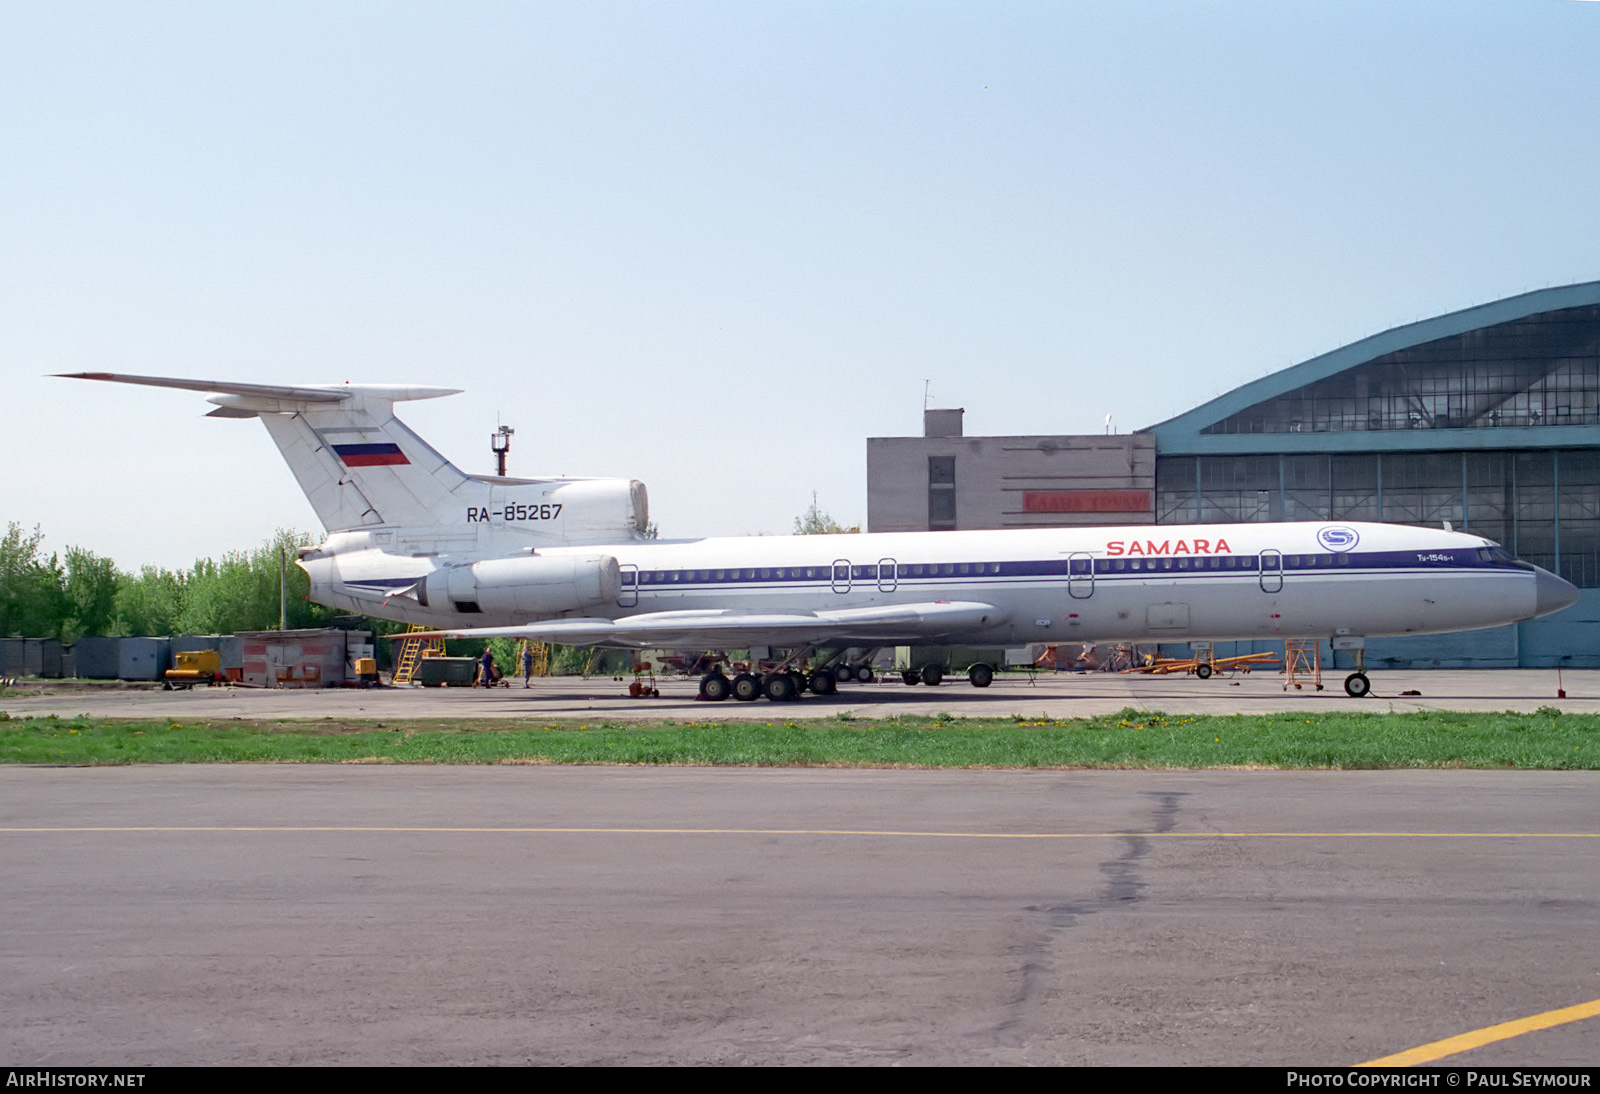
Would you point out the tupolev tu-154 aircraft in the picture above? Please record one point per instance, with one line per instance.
(412, 538)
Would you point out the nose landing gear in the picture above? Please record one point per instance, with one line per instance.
(1356, 685)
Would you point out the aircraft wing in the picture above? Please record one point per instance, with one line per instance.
(707, 628)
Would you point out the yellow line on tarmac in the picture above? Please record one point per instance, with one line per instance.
(1426, 1054)
(562, 830)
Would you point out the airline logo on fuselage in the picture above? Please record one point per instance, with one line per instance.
(1337, 538)
(1168, 547)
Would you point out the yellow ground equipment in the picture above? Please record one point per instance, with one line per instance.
(1302, 662)
(1207, 666)
(541, 657)
(194, 667)
(412, 651)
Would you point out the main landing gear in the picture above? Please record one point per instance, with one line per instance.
(780, 686)
(786, 682)
(783, 683)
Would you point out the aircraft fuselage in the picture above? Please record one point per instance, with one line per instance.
(1168, 582)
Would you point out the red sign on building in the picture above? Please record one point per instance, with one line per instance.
(1086, 501)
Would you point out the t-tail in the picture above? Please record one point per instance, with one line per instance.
(360, 467)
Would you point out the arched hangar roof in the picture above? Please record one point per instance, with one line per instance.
(1408, 351)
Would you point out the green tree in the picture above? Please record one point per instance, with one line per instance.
(32, 589)
(240, 593)
(817, 523)
(89, 594)
(150, 603)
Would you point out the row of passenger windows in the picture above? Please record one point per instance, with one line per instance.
(1208, 562)
(821, 573)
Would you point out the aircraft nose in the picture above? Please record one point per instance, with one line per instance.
(1551, 593)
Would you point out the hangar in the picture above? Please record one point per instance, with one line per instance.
(1488, 418)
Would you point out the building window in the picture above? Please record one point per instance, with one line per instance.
(941, 493)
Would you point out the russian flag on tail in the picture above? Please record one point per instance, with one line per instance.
(370, 455)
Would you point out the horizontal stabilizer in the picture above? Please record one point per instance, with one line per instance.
(300, 393)
(358, 464)
(732, 627)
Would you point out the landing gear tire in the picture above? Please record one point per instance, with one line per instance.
(714, 687)
(844, 674)
(980, 676)
(909, 677)
(864, 674)
(746, 688)
(931, 675)
(1357, 686)
(1203, 671)
(823, 683)
(779, 687)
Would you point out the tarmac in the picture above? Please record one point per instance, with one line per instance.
(1049, 695)
(276, 914)
(331, 914)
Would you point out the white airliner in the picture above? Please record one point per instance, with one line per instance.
(412, 538)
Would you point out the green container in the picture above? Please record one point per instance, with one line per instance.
(446, 672)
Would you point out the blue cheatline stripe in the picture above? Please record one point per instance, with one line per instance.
(1365, 565)
(1121, 568)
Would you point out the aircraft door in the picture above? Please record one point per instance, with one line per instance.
(841, 575)
(1080, 575)
(1271, 571)
(888, 575)
(628, 587)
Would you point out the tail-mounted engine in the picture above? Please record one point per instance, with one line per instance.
(524, 588)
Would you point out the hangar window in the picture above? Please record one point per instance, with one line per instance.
(1542, 369)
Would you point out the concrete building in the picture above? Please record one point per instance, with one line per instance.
(946, 481)
(1488, 418)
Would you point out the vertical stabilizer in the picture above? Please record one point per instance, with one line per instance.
(359, 464)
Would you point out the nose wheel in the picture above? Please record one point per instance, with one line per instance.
(1357, 686)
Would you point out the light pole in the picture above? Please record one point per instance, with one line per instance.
(500, 442)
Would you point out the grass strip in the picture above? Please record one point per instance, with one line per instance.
(1545, 740)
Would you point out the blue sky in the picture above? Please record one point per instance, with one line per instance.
(715, 246)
